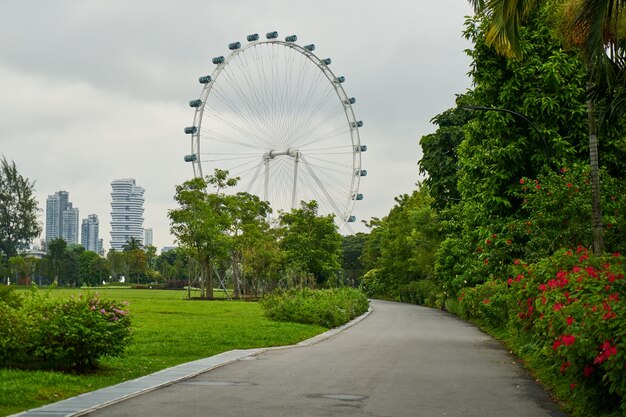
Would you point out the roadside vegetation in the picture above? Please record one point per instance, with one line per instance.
(166, 330)
(327, 308)
(520, 227)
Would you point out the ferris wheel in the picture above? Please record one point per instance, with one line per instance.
(274, 114)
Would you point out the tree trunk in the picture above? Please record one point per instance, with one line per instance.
(209, 289)
(596, 205)
(236, 276)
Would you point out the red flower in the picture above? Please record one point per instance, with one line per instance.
(486, 301)
(568, 339)
(569, 185)
(588, 371)
(542, 287)
(570, 320)
(556, 344)
(521, 181)
(557, 306)
(516, 262)
(486, 261)
(564, 366)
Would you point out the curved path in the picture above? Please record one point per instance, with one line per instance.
(402, 360)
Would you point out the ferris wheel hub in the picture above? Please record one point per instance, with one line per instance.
(294, 153)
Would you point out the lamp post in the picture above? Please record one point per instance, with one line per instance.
(516, 114)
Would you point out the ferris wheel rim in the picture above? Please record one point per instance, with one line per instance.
(343, 216)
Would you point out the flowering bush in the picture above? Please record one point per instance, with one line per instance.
(571, 305)
(62, 334)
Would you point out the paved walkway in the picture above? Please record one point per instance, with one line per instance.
(402, 360)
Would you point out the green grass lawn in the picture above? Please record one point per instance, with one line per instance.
(167, 330)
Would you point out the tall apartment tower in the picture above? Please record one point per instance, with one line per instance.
(60, 216)
(126, 212)
(90, 234)
(147, 236)
(69, 231)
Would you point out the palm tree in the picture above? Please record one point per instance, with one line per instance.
(132, 244)
(594, 28)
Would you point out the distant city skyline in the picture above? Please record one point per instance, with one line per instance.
(62, 219)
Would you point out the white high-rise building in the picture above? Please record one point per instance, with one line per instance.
(147, 236)
(90, 234)
(126, 212)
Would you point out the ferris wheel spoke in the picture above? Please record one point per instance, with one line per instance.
(325, 193)
(251, 129)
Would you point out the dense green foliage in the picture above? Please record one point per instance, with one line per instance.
(399, 251)
(311, 242)
(328, 308)
(230, 236)
(18, 211)
(40, 332)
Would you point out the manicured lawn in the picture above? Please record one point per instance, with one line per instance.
(168, 330)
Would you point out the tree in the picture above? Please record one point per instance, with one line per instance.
(248, 230)
(132, 244)
(93, 269)
(311, 242)
(593, 27)
(18, 210)
(57, 256)
(352, 249)
(117, 263)
(201, 222)
(440, 156)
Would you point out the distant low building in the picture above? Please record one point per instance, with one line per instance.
(167, 249)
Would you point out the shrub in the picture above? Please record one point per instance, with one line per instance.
(328, 308)
(62, 334)
(570, 308)
(9, 296)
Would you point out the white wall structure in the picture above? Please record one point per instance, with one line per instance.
(126, 212)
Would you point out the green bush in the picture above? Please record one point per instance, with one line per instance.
(62, 334)
(9, 296)
(328, 308)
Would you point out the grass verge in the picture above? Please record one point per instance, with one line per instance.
(167, 331)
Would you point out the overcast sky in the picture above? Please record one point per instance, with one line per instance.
(96, 90)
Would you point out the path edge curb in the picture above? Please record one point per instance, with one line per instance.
(91, 401)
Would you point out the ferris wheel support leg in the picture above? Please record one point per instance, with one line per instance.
(295, 180)
(267, 179)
